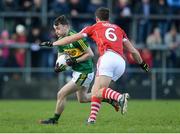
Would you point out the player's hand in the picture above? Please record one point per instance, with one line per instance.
(71, 61)
(144, 66)
(47, 43)
(60, 68)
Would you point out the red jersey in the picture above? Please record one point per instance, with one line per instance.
(107, 36)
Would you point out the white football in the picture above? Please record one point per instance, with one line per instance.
(61, 60)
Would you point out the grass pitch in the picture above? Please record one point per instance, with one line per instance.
(143, 116)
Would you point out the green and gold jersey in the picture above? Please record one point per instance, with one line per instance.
(75, 50)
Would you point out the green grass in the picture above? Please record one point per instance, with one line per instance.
(143, 116)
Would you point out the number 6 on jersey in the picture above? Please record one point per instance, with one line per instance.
(110, 35)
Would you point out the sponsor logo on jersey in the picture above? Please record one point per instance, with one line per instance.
(74, 52)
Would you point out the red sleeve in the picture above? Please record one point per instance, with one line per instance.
(124, 35)
(87, 31)
(125, 38)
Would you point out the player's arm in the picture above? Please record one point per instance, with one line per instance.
(130, 48)
(88, 53)
(63, 41)
(68, 39)
(87, 31)
(137, 57)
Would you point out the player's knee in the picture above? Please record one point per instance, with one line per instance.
(60, 95)
(98, 93)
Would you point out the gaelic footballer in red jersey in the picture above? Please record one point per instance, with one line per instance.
(111, 40)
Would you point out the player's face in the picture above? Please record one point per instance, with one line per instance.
(60, 30)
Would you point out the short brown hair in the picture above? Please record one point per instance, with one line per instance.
(102, 13)
(61, 20)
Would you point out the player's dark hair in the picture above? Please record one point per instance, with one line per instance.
(102, 13)
(61, 20)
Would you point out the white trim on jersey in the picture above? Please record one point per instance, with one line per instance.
(124, 39)
(84, 34)
(82, 31)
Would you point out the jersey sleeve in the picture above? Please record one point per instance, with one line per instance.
(125, 38)
(81, 44)
(87, 31)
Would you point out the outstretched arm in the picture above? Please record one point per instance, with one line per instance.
(130, 48)
(137, 57)
(64, 41)
(68, 39)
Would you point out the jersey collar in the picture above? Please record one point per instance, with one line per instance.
(102, 21)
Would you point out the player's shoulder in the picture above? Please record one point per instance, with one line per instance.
(88, 30)
(119, 28)
(95, 25)
(72, 31)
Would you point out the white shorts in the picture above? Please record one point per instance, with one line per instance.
(111, 64)
(82, 79)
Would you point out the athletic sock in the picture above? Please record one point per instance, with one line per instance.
(111, 94)
(56, 116)
(95, 106)
(110, 101)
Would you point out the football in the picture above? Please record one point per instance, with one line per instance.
(61, 60)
